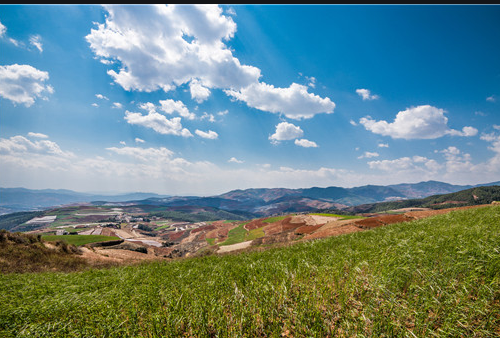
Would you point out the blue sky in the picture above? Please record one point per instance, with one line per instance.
(203, 100)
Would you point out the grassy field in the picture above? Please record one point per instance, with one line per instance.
(79, 239)
(436, 277)
(235, 235)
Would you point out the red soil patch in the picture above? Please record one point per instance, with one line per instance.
(373, 222)
(333, 231)
(287, 225)
(255, 224)
(307, 229)
(176, 235)
(204, 228)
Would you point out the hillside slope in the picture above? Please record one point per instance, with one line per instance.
(432, 277)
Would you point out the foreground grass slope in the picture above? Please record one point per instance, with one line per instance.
(433, 277)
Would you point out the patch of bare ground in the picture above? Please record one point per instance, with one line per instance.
(254, 224)
(103, 257)
(333, 228)
(234, 247)
(221, 231)
(373, 222)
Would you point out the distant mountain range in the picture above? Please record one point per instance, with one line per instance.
(259, 202)
(21, 199)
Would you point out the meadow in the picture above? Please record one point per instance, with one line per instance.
(435, 277)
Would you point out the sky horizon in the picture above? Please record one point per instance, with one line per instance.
(201, 100)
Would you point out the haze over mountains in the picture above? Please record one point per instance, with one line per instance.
(264, 201)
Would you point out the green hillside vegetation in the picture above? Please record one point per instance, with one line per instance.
(435, 277)
(474, 196)
(14, 221)
(235, 235)
(79, 240)
(203, 216)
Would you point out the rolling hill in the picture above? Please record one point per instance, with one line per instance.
(251, 202)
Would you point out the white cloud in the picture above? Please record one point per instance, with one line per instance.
(36, 41)
(21, 146)
(100, 96)
(163, 47)
(383, 145)
(368, 154)
(198, 91)
(286, 131)
(23, 84)
(422, 122)
(170, 106)
(209, 117)
(3, 29)
(235, 160)
(366, 94)
(411, 166)
(117, 105)
(144, 154)
(306, 143)
(158, 123)
(295, 102)
(37, 135)
(212, 135)
(491, 98)
(138, 140)
(466, 132)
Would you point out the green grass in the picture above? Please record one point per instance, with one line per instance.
(274, 219)
(235, 235)
(79, 239)
(436, 277)
(254, 233)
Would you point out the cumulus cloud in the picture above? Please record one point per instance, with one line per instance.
(235, 160)
(198, 91)
(158, 123)
(305, 143)
(163, 47)
(368, 154)
(170, 106)
(421, 122)
(212, 135)
(412, 166)
(20, 145)
(23, 84)
(286, 131)
(366, 94)
(295, 102)
(100, 96)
